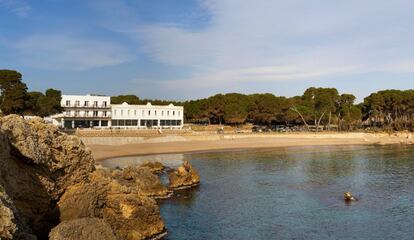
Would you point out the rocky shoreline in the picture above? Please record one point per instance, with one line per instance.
(51, 189)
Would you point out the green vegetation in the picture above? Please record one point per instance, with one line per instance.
(316, 108)
(15, 99)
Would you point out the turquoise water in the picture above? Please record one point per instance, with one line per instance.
(296, 193)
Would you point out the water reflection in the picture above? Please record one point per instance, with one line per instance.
(297, 194)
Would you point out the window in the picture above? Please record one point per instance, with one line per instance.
(162, 122)
(155, 112)
(67, 103)
(178, 122)
(142, 112)
(142, 123)
(134, 122)
(104, 113)
(179, 112)
(173, 113)
(77, 103)
(135, 113)
(86, 113)
(95, 123)
(104, 123)
(128, 113)
(121, 122)
(76, 113)
(114, 112)
(128, 122)
(86, 104)
(115, 123)
(149, 112)
(168, 113)
(162, 113)
(104, 103)
(122, 113)
(95, 113)
(95, 103)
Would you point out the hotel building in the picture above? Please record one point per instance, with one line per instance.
(85, 111)
(95, 111)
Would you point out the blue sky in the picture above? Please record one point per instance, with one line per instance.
(187, 49)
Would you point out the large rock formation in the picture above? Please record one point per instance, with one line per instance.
(131, 215)
(37, 164)
(49, 187)
(142, 180)
(83, 229)
(183, 177)
(48, 180)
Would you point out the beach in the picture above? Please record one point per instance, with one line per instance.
(110, 147)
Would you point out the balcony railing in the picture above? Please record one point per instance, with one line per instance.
(89, 115)
(88, 106)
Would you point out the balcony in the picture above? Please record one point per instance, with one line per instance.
(99, 106)
(87, 115)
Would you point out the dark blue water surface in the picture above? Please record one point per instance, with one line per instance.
(296, 193)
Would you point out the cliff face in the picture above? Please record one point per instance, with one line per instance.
(49, 187)
(37, 164)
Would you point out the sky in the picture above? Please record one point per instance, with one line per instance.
(190, 49)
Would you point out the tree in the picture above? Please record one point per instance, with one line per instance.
(13, 92)
(130, 99)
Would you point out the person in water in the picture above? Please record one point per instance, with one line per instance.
(348, 197)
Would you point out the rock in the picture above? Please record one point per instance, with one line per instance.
(131, 215)
(155, 167)
(37, 164)
(142, 180)
(11, 224)
(82, 229)
(183, 177)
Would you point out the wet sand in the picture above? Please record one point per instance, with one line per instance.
(110, 147)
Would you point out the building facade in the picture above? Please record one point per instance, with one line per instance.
(96, 111)
(85, 111)
(147, 116)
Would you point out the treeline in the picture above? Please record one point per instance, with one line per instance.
(15, 99)
(316, 108)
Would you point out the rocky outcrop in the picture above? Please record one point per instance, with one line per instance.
(83, 229)
(48, 181)
(142, 180)
(131, 215)
(154, 167)
(183, 177)
(37, 164)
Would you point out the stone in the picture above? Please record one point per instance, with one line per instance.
(131, 215)
(142, 180)
(37, 164)
(82, 229)
(185, 176)
(155, 167)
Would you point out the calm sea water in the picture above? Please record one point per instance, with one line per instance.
(296, 193)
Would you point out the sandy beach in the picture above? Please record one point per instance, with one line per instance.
(109, 147)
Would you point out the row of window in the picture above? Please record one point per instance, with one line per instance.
(145, 123)
(85, 113)
(85, 123)
(86, 104)
(154, 112)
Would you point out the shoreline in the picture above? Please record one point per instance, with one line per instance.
(112, 147)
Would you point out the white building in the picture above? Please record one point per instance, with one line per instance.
(147, 116)
(82, 111)
(96, 111)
